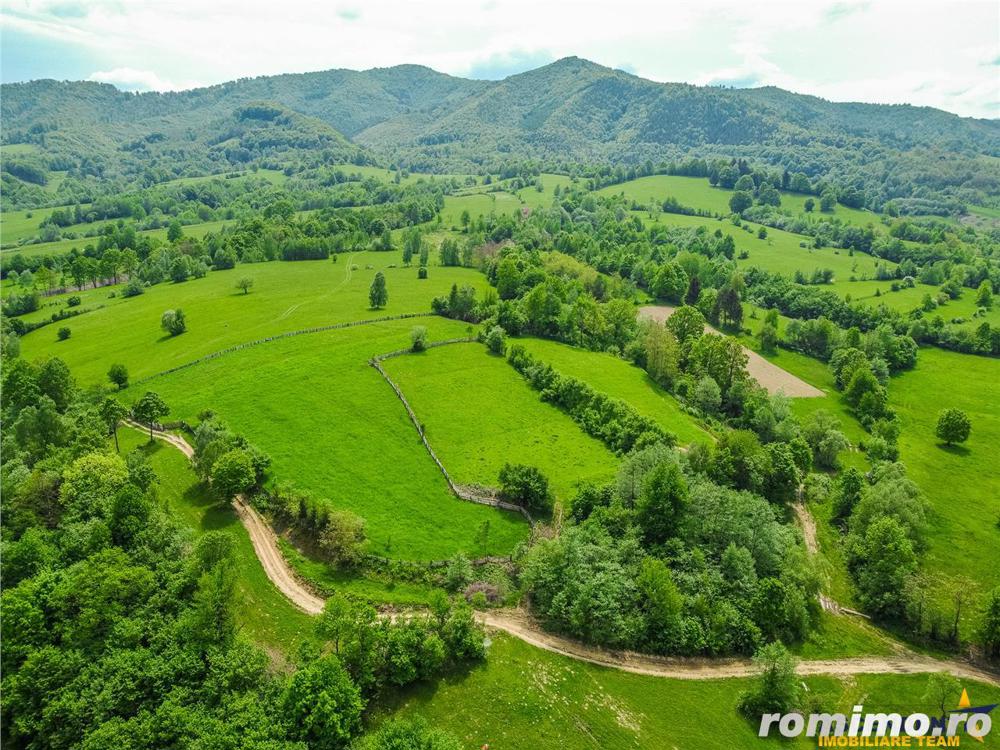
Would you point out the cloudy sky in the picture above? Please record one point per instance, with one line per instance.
(941, 54)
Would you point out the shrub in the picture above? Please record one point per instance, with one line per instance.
(173, 322)
(118, 374)
(422, 272)
(496, 340)
(418, 338)
(133, 288)
(63, 333)
(73, 301)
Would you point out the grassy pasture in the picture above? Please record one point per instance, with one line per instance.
(479, 413)
(333, 427)
(962, 483)
(60, 247)
(286, 296)
(697, 193)
(477, 204)
(524, 697)
(263, 612)
(532, 197)
(18, 225)
(619, 379)
(781, 252)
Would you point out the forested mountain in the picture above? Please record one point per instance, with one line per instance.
(571, 113)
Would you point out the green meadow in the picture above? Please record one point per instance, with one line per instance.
(64, 246)
(961, 482)
(620, 379)
(783, 252)
(699, 194)
(286, 296)
(478, 413)
(963, 533)
(333, 427)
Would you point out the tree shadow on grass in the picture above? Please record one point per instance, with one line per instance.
(955, 450)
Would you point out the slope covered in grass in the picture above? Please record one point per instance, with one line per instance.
(286, 296)
(479, 413)
(333, 427)
(619, 379)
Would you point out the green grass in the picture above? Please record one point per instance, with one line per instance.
(619, 379)
(263, 612)
(333, 427)
(286, 296)
(697, 193)
(479, 413)
(522, 697)
(781, 252)
(18, 225)
(327, 581)
(534, 198)
(962, 483)
(477, 204)
(64, 246)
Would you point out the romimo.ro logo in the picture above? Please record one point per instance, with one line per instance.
(861, 729)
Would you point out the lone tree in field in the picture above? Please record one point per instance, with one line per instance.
(953, 426)
(233, 474)
(118, 375)
(149, 409)
(112, 412)
(378, 295)
(245, 283)
(173, 322)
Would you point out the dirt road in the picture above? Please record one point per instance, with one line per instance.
(520, 625)
(768, 374)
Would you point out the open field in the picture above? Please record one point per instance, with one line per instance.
(63, 246)
(963, 535)
(698, 193)
(479, 413)
(524, 697)
(782, 252)
(619, 379)
(477, 204)
(962, 482)
(286, 296)
(333, 427)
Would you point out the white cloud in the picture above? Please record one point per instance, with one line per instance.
(874, 50)
(131, 79)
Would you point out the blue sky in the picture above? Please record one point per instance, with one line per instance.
(942, 54)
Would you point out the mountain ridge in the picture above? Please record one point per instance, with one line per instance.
(569, 112)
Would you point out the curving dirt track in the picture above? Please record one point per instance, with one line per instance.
(520, 625)
(768, 374)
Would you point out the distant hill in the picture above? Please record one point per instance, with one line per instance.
(571, 112)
